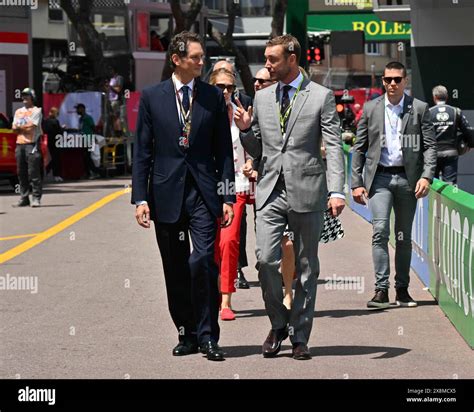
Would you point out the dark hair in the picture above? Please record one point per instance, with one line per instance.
(396, 66)
(179, 44)
(290, 44)
(81, 105)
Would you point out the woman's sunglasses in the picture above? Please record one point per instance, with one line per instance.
(230, 87)
(388, 80)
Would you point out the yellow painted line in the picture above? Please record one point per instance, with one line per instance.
(18, 236)
(54, 230)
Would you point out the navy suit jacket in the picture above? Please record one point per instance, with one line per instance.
(160, 164)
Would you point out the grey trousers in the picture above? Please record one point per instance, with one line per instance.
(271, 222)
(391, 191)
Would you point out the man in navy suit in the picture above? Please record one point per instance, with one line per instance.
(183, 178)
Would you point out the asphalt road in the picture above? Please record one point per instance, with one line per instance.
(99, 307)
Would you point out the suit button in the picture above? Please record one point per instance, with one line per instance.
(181, 179)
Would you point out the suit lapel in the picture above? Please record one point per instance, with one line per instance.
(407, 105)
(173, 110)
(297, 106)
(380, 122)
(276, 108)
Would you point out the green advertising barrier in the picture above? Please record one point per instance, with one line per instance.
(451, 255)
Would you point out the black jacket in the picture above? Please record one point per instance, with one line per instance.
(448, 121)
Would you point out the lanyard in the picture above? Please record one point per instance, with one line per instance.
(286, 115)
(185, 117)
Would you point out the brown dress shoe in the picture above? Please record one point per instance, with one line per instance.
(272, 344)
(301, 352)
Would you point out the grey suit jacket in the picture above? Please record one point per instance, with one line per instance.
(418, 142)
(313, 118)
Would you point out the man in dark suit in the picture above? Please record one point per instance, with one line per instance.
(183, 175)
(396, 143)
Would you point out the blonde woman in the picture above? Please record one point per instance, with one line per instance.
(228, 238)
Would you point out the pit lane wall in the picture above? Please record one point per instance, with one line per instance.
(443, 248)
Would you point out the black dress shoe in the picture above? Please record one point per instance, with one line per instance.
(185, 348)
(301, 351)
(241, 281)
(22, 203)
(272, 344)
(212, 351)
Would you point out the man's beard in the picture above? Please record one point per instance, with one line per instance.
(282, 73)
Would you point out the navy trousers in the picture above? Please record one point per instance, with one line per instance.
(191, 277)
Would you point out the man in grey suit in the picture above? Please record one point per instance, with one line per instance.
(289, 120)
(396, 143)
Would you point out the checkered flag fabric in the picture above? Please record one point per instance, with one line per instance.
(332, 230)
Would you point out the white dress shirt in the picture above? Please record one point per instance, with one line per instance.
(391, 153)
(179, 86)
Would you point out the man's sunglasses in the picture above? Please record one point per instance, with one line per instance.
(389, 80)
(230, 87)
(260, 81)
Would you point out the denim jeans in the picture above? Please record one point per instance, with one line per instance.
(391, 191)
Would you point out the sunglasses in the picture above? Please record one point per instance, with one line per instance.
(229, 87)
(260, 81)
(389, 80)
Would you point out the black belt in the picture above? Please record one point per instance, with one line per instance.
(394, 170)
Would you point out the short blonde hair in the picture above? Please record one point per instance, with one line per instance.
(215, 74)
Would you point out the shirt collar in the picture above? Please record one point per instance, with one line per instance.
(400, 103)
(179, 84)
(295, 83)
(440, 102)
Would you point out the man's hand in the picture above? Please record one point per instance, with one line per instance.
(142, 214)
(242, 117)
(336, 204)
(360, 195)
(228, 215)
(248, 171)
(422, 188)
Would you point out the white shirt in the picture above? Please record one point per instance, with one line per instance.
(242, 183)
(391, 153)
(179, 86)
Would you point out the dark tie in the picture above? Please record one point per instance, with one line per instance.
(185, 91)
(285, 100)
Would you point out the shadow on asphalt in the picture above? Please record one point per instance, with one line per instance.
(56, 205)
(337, 313)
(385, 352)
